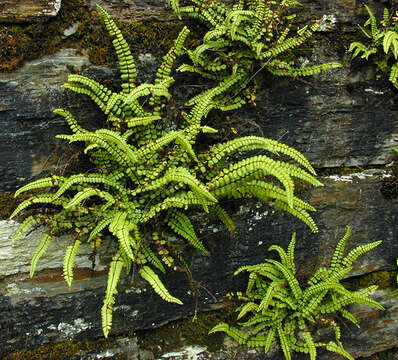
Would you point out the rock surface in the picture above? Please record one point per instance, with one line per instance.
(341, 118)
(57, 313)
(17, 11)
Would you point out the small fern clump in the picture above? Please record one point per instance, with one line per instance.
(242, 39)
(147, 172)
(383, 35)
(278, 308)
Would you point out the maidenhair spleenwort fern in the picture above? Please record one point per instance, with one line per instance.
(383, 35)
(144, 177)
(243, 38)
(276, 308)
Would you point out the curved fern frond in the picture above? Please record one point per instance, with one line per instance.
(181, 224)
(69, 261)
(338, 254)
(252, 168)
(147, 274)
(40, 183)
(152, 258)
(87, 193)
(240, 336)
(223, 216)
(72, 122)
(115, 269)
(358, 251)
(126, 61)
(44, 243)
(24, 227)
(38, 199)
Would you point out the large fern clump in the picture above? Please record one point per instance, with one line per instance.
(243, 38)
(277, 308)
(146, 173)
(381, 36)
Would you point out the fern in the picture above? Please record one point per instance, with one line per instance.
(259, 28)
(69, 260)
(148, 275)
(146, 178)
(383, 35)
(44, 243)
(114, 272)
(277, 307)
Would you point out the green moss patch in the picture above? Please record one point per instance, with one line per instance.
(383, 279)
(8, 203)
(30, 41)
(186, 332)
(61, 351)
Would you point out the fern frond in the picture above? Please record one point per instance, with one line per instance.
(390, 39)
(25, 226)
(115, 269)
(283, 341)
(89, 179)
(141, 121)
(37, 199)
(240, 336)
(44, 243)
(338, 349)
(394, 75)
(289, 276)
(72, 122)
(358, 251)
(338, 254)
(246, 308)
(87, 193)
(69, 261)
(40, 183)
(126, 61)
(181, 224)
(152, 258)
(101, 225)
(223, 216)
(299, 214)
(310, 344)
(164, 70)
(256, 166)
(147, 274)
(120, 227)
(99, 93)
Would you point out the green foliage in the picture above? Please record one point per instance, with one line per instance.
(383, 35)
(242, 39)
(277, 308)
(394, 292)
(147, 172)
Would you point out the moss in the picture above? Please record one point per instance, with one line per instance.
(384, 280)
(8, 203)
(385, 355)
(389, 187)
(61, 351)
(30, 41)
(186, 332)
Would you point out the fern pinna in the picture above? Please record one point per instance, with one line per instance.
(276, 308)
(145, 177)
(243, 38)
